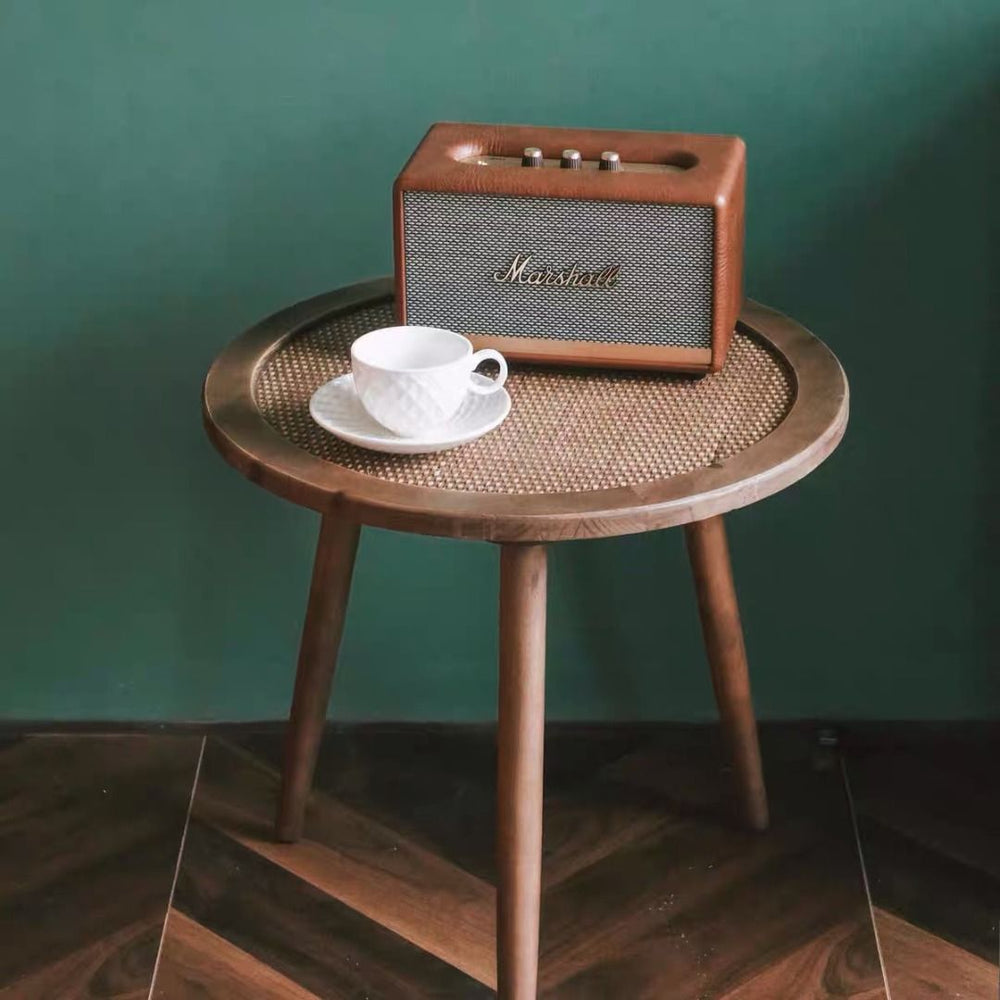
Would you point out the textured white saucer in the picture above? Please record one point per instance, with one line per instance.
(336, 408)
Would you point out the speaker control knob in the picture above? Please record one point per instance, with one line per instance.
(532, 157)
(610, 160)
(571, 159)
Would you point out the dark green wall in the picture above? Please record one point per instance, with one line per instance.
(170, 172)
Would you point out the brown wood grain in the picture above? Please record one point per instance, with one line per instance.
(118, 966)
(369, 867)
(195, 962)
(329, 591)
(302, 931)
(835, 964)
(90, 832)
(922, 966)
(699, 919)
(808, 434)
(588, 824)
(618, 911)
(95, 795)
(436, 786)
(929, 824)
(696, 875)
(520, 772)
(941, 798)
(648, 891)
(727, 658)
(116, 892)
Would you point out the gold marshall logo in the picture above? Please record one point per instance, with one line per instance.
(518, 274)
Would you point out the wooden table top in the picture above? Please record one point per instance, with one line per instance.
(584, 453)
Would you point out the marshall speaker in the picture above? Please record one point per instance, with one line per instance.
(617, 249)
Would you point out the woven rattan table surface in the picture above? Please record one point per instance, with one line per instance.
(584, 453)
(569, 430)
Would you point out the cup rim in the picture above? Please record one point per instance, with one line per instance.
(417, 368)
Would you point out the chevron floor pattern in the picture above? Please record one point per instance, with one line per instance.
(143, 866)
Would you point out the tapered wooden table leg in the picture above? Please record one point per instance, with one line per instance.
(520, 751)
(727, 658)
(324, 624)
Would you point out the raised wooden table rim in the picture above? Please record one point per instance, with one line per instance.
(809, 432)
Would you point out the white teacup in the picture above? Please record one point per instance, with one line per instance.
(413, 378)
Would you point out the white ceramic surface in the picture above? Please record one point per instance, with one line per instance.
(336, 407)
(413, 379)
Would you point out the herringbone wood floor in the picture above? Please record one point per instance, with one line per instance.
(650, 891)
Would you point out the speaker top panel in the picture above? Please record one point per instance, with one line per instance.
(603, 164)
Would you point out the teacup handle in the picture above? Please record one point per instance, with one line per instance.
(488, 355)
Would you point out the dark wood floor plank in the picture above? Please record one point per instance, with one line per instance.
(648, 884)
(115, 967)
(586, 824)
(700, 928)
(85, 907)
(432, 786)
(309, 937)
(921, 966)
(415, 893)
(929, 826)
(941, 802)
(68, 801)
(89, 839)
(686, 770)
(437, 785)
(195, 962)
(651, 891)
(638, 888)
(835, 964)
(953, 901)
(437, 792)
(699, 906)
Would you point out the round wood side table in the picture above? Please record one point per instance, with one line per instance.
(584, 454)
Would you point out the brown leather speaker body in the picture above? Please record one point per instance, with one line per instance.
(635, 267)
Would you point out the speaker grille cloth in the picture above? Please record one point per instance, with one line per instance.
(569, 430)
(455, 243)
